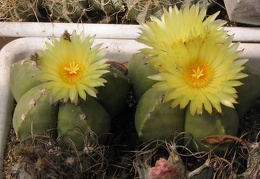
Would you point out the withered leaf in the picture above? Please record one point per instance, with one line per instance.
(222, 138)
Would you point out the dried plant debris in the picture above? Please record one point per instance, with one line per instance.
(45, 158)
(124, 156)
(238, 162)
(20, 10)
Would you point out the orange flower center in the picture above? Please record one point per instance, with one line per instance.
(71, 72)
(198, 75)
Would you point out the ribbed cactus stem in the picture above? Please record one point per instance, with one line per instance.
(114, 95)
(82, 123)
(155, 119)
(138, 72)
(205, 124)
(35, 114)
(23, 77)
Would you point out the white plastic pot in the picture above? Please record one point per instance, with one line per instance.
(118, 39)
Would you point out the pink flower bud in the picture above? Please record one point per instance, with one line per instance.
(162, 170)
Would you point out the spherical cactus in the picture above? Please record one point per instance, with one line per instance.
(113, 96)
(140, 11)
(138, 71)
(157, 120)
(35, 114)
(23, 77)
(69, 10)
(77, 123)
(205, 124)
(248, 92)
(107, 6)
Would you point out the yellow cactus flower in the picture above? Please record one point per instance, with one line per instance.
(72, 66)
(203, 74)
(177, 27)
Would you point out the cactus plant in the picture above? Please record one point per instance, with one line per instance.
(205, 124)
(140, 11)
(156, 120)
(35, 114)
(245, 99)
(188, 72)
(77, 122)
(107, 6)
(66, 77)
(138, 72)
(113, 96)
(23, 77)
(69, 10)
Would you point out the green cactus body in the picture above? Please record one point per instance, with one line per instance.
(77, 122)
(34, 114)
(140, 11)
(157, 120)
(109, 7)
(248, 92)
(69, 10)
(23, 77)
(138, 71)
(113, 96)
(201, 126)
